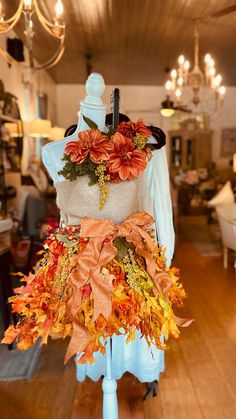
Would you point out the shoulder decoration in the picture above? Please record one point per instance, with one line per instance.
(119, 154)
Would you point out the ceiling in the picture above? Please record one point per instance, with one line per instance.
(134, 41)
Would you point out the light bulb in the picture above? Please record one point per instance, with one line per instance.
(59, 9)
(31, 24)
(181, 60)
(178, 93)
(218, 79)
(169, 85)
(167, 107)
(211, 62)
(222, 90)
(28, 4)
(186, 65)
(167, 112)
(180, 81)
(212, 71)
(207, 58)
(173, 73)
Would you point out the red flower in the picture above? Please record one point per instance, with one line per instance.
(90, 143)
(148, 152)
(126, 160)
(130, 129)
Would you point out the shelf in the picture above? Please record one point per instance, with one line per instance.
(6, 118)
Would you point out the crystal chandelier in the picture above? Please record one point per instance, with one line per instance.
(30, 8)
(195, 89)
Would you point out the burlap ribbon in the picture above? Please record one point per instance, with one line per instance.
(99, 251)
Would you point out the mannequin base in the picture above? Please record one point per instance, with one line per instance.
(110, 405)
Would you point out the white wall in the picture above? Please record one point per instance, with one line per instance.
(13, 78)
(136, 101)
(139, 100)
(226, 119)
(144, 101)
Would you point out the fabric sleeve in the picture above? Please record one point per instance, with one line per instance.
(159, 190)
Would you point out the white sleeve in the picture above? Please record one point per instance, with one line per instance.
(159, 190)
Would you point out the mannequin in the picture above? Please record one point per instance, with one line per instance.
(157, 183)
(93, 108)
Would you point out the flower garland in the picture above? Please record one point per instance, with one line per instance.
(43, 300)
(120, 154)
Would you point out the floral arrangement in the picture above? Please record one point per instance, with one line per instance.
(119, 154)
(56, 301)
(99, 279)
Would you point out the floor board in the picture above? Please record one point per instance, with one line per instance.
(199, 380)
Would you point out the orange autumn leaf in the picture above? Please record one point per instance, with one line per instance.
(43, 301)
(10, 335)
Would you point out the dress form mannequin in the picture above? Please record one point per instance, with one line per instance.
(159, 205)
(93, 108)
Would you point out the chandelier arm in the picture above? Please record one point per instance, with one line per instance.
(53, 60)
(196, 45)
(48, 64)
(10, 60)
(12, 21)
(48, 26)
(52, 64)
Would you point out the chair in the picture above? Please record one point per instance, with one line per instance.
(225, 196)
(227, 222)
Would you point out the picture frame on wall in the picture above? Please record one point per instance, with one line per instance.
(42, 105)
(228, 142)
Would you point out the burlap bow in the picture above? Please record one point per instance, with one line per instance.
(99, 251)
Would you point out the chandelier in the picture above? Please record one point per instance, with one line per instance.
(195, 89)
(56, 28)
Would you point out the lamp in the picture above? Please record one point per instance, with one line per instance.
(15, 128)
(234, 163)
(55, 28)
(57, 133)
(204, 84)
(40, 128)
(167, 107)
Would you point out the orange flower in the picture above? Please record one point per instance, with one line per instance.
(130, 129)
(90, 143)
(126, 160)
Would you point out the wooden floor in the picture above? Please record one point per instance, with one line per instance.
(200, 377)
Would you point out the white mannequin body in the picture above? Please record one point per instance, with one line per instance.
(93, 108)
(158, 186)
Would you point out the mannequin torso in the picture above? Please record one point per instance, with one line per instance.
(93, 108)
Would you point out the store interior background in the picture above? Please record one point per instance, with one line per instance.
(208, 347)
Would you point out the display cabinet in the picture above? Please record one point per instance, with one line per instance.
(190, 146)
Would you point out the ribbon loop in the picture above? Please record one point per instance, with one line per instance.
(97, 254)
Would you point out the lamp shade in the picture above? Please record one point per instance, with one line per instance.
(234, 163)
(167, 108)
(57, 133)
(40, 128)
(15, 128)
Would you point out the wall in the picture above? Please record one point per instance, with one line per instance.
(225, 119)
(144, 101)
(136, 101)
(141, 100)
(13, 78)
(24, 84)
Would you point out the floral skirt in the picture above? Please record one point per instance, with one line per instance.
(98, 280)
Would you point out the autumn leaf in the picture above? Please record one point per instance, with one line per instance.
(10, 334)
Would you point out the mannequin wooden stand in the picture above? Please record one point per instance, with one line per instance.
(93, 108)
